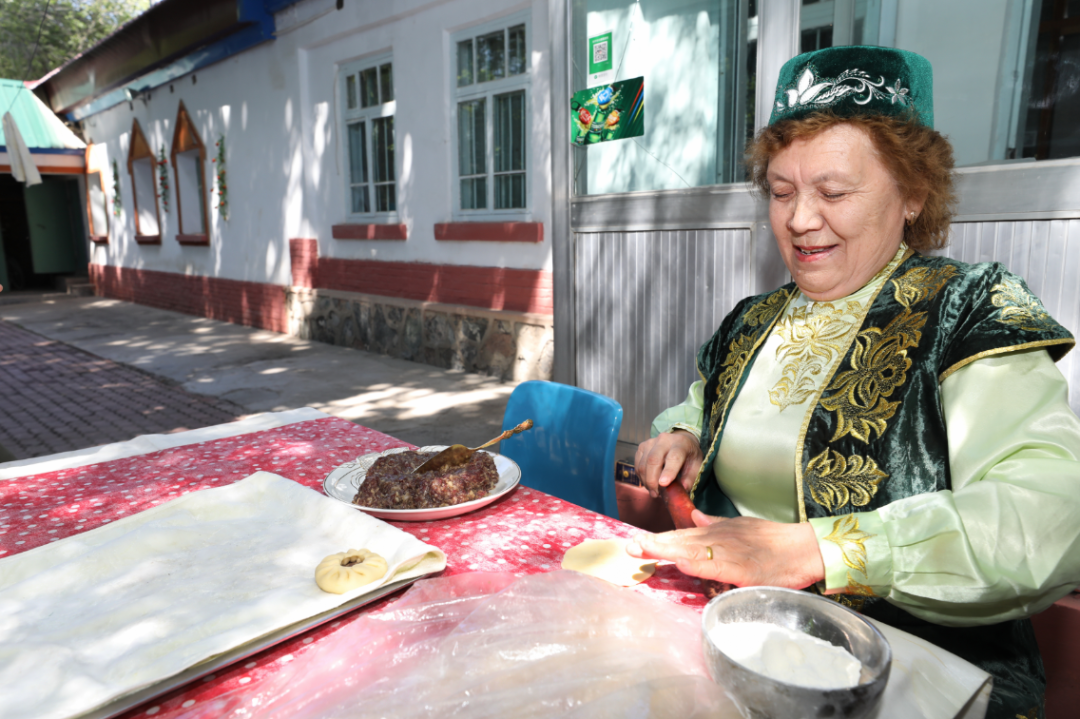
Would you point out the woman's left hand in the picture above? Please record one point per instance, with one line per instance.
(746, 551)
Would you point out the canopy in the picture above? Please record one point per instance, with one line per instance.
(40, 128)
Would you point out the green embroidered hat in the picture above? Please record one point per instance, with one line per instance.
(854, 80)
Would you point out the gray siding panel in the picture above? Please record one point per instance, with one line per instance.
(1046, 253)
(646, 302)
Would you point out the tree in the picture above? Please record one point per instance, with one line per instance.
(71, 27)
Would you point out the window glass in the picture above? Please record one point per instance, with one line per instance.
(200, 185)
(369, 87)
(368, 131)
(386, 82)
(142, 180)
(464, 63)
(1005, 89)
(472, 154)
(509, 150)
(490, 56)
(350, 91)
(192, 192)
(357, 134)
(516, 55)
(698, 59)
(382, 143)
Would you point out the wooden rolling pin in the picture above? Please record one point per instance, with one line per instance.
(679, 506)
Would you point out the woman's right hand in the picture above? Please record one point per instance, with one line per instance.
(670, 456)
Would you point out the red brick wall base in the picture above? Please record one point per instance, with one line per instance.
(254, 304)
(493, 288)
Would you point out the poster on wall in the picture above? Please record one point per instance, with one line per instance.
(609, 112)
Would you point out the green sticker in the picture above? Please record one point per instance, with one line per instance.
(608, 112)
(600, 53)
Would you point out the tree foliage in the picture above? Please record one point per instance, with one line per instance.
(71, 27)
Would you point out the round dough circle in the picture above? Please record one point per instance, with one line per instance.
(333, 576)
(608, 560)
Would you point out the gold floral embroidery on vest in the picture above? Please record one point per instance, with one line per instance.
(879, 365)
(1020, 308)
(922, 283)
(879, 360)
(764, 311)
(851, 540)
(810, 341)
(834, 482)
(738, 355)
(854, 603)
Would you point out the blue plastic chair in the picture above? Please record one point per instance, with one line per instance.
(570, 451)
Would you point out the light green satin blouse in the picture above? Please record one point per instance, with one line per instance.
(1003, 543)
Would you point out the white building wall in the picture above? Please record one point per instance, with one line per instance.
(275, 105)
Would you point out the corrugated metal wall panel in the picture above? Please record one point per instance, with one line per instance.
(646, 302)
(1046, 253)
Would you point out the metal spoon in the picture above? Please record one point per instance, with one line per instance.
(458, 454)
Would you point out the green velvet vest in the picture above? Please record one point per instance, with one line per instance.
(876, 432)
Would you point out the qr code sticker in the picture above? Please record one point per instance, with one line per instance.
(600, 52)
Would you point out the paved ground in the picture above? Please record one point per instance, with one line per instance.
(143, 370)
(57, 398)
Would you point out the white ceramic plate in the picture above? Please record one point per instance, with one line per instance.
(343, 482)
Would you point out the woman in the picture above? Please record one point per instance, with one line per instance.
(889, 427)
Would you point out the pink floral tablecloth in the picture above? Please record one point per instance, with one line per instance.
(526, 532)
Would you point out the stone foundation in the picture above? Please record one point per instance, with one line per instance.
(513, 346)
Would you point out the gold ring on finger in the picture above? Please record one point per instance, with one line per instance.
(708, 552)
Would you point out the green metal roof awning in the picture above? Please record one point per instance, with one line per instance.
(40, 128)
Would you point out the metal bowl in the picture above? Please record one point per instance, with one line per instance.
(761, 697)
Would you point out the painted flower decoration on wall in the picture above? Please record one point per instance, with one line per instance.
(163, 179)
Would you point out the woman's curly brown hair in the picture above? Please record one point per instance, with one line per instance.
(919, 159)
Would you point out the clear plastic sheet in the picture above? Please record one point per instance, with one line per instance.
(496, 645)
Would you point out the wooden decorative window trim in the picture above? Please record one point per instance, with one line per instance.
(186, 139)
(140, 150)
(98, 231)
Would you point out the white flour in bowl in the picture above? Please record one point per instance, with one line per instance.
(786, 655)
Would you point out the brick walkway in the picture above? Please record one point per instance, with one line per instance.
(55, 398)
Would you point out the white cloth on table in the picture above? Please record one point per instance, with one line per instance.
(927, 682)
(100, 614)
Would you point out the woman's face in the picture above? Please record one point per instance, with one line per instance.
(836, 212)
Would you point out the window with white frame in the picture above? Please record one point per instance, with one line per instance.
(367, 102)
(491, 85)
